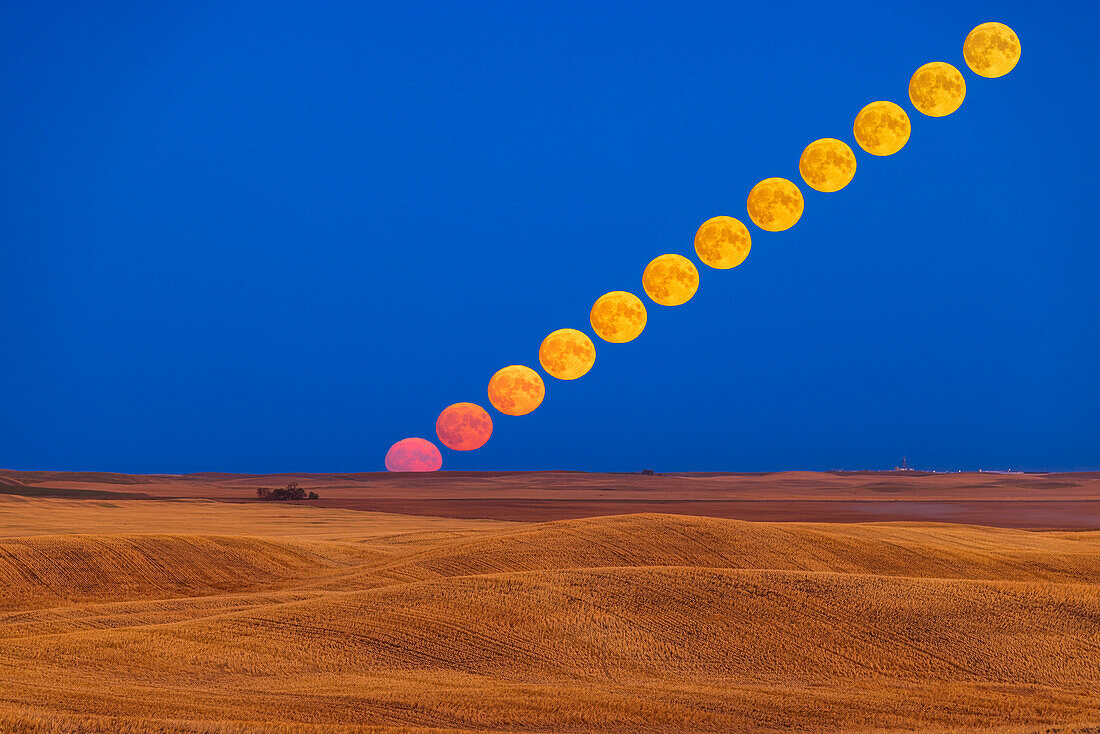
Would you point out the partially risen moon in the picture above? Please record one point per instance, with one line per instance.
(464, 426)
(991, 50)
(618, 317)
(937, 89)
(567, 354)
(775, 204)
(516, 390)
(670, 280)
(827, 165)
(723, 242)
(413, 454)
(882, 128)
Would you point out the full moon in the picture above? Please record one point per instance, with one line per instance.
(882, 128)
(723, 242)
(464, 426)
(618, 317)
(516, 390)
(775, 204)
(827, 165)
(567, 354)
(937, 89)
(670, 280)
(413, 454)
(991, 50)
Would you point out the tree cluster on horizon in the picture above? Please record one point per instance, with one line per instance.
(291, 492)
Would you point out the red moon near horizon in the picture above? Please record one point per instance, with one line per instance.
(464, 426)
(413, 454)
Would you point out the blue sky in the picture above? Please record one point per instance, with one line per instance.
(269, 237)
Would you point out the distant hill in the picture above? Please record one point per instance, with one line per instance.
(920, 550)
(1039, 501)
(50, 570)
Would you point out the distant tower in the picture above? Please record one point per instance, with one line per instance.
(904, 465)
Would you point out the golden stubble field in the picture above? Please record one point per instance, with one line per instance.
(192, 615)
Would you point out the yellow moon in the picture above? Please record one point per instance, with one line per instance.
(991, 50)
(882, 128)
(827, 165)
(567, 354)
(618, 317)
(937, 89)
(723, 242)
(516, 390)
(670, 280)
(775, 204)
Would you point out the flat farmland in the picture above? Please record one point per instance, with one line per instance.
(1054, 501)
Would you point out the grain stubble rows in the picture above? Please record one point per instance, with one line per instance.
(255, 618)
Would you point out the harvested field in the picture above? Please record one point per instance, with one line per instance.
(203, 616)
(1051, 501)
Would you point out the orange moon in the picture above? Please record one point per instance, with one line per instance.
(413, 454)
(992, 50)
(567, 354)
(670, 280)
(827, 165)
(775, 204)
(937, 89)
(882, 128)
(618, 317)
(464, 426)
(723, 242)
(516, 390)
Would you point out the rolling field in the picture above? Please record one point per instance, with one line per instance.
(194, 615)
